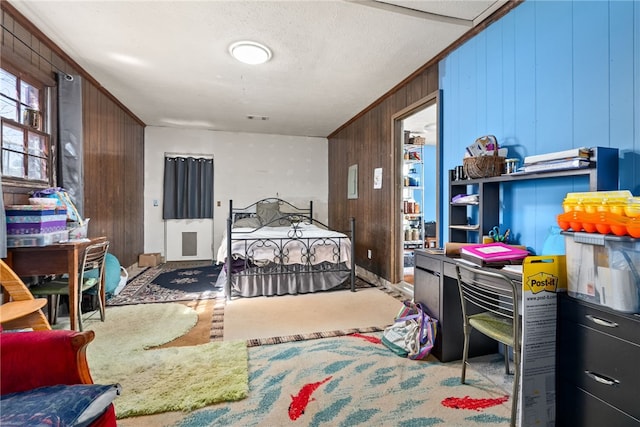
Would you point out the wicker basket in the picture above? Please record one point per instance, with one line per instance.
(484, 166)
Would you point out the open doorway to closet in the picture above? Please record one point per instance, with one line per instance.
(417, 130)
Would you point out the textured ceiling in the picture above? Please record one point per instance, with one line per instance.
(168, 61)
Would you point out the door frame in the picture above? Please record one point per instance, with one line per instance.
(397, 258)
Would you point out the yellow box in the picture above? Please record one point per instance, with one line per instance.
(149, 260)
(543, 277)
(544, 273)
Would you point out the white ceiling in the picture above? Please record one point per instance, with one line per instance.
(168, 61)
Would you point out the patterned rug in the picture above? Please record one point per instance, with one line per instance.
(355, 380)
(171, 282)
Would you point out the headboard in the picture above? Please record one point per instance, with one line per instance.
(272, 212)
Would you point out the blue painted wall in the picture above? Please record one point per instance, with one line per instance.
(549, 76)
(430, 193)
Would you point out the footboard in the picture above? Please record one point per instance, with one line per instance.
(297, 246)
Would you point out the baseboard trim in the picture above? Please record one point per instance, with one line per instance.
(402, 287)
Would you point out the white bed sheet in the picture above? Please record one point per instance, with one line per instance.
(323, 252)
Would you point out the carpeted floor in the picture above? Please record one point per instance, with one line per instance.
(273, 320)
(487, 378)
(157, 380)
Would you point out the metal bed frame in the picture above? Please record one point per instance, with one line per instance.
(281, 247)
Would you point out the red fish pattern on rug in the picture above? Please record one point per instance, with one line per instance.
(300, 401)
(474, 404)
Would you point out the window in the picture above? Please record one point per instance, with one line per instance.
(26, 147)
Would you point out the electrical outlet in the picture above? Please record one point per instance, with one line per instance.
(369, 253)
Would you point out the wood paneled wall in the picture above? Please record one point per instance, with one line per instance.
(113, 141)
(368, 142)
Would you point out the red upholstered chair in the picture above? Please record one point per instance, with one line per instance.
(31, 360)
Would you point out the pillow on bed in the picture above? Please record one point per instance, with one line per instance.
(270, 215)
(249, 222)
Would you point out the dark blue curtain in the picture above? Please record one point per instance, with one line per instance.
(188, 188)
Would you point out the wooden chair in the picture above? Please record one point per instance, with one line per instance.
(22, 310)
(91, 277)
(491, 306)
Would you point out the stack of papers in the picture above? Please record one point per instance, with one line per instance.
(568, 159)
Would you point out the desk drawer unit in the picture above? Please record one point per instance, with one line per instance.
(436, 286)
(598, 354)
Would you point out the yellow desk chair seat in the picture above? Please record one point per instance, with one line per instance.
(491, 306)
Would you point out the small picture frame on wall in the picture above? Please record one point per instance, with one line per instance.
(352, 182)
(377, 178)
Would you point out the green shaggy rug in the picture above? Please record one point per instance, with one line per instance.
(167, 379)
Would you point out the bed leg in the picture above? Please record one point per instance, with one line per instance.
(352, 224)
(227, 286)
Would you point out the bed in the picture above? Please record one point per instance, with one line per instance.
(279, 249)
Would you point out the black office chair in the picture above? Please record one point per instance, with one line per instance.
(496, 296)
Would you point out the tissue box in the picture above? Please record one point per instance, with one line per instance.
(149, 260)
(603, 269)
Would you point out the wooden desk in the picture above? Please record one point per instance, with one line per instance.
(59, 258)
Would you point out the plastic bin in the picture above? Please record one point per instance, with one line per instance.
(603, 269)
(77, 231)
(42, 239)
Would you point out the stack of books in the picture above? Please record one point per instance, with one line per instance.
(574, 158)
(493, 254)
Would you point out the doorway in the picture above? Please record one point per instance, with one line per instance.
(417, 138)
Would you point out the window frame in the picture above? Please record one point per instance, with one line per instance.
(42, 131)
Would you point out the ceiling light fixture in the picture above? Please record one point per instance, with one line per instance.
(250, 52)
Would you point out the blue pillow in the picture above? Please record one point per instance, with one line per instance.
(63, 405)
(111, 274)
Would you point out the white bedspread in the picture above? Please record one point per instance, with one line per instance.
(319, 240)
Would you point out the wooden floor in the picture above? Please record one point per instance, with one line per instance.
(408, 275)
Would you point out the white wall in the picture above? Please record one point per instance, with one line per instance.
(247, 167)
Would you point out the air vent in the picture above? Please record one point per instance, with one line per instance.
(189, 243)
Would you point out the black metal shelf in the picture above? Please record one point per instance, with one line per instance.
(602, 175)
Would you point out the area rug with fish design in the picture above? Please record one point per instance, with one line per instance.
(355, 380)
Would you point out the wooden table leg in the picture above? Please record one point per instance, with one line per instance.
(72, 260)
